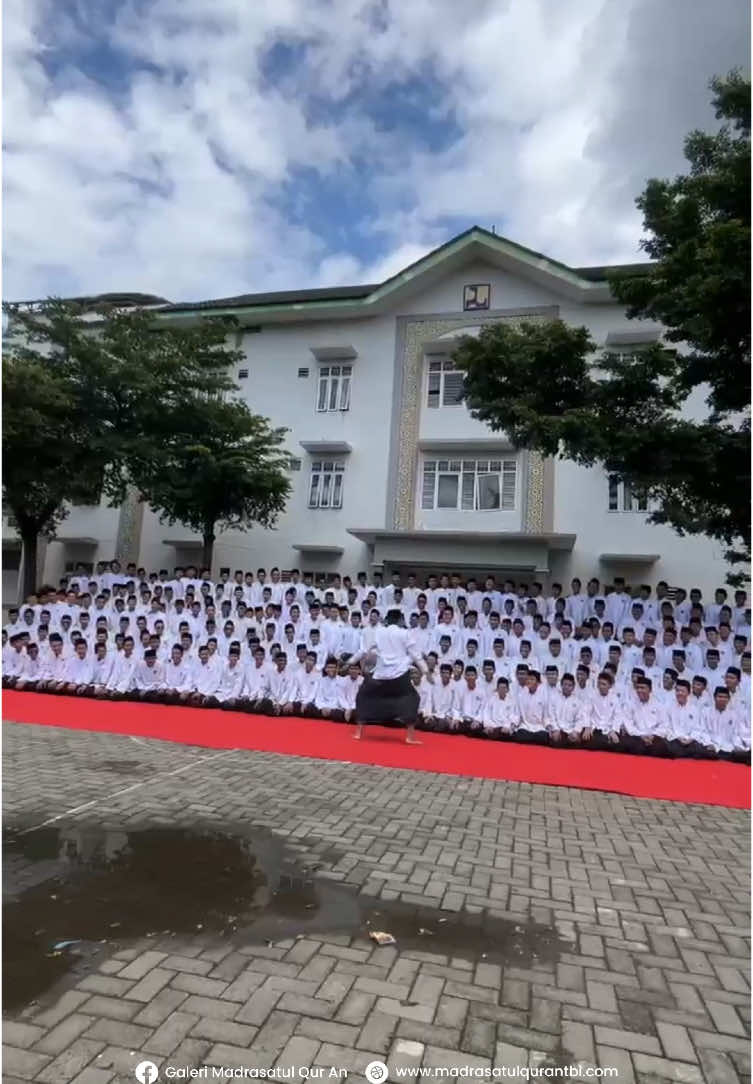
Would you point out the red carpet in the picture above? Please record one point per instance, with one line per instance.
(708, 782)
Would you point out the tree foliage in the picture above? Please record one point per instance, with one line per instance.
(220, 467)
(104, 402)
(548, 389)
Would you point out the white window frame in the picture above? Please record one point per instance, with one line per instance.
(333, 388)
(441, 379)
(326, 483)
(621, 499)
(469, 472)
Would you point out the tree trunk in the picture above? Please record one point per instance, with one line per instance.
(208, 551)
(30, 540)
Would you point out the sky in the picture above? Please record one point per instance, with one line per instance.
(206, 148)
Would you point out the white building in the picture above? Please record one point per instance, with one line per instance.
(391, 471)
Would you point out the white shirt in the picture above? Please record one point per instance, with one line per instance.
(720, 728)
(102, 668)
(501, 666)
(421, 640)
(282, 685)
(350, 639)
(441, 699)
(53, 668)
(499, 713)
(257, 681)
(205, 678)
(79, 671)
(682, 721)
(487, 688)
(457, 644)
(576, 608)
(532, 709)
(148, 677)
(231, 683)
(328, 694)
(306, 685)
(13, 663)
(566, 712)
(349, 690)
(121, 675)
(177, 678)
(644, 720)
(468, 703)
(395, 653)
(603, 711)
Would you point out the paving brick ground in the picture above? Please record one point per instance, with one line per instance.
(649, 902)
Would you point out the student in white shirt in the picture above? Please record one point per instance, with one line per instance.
(319, 649)
(565, 713)
(148, 676)
(205, 680)
(438, 710)
(350, 635)
(468, 704)
(176, 677)
(682, 724)
(500, 716)
(721, 726)
(603, 724)
(643, 724)
(532, 706)
(281, 686)
(389, 694)
(120, 681)
(328, 699)
(577, 604)
(232, 680)
(78, 670)
(256, 686)
(32, 664)
(349, 686)
(307, 680)
(13, 662)
(101, 670)
(487, 682)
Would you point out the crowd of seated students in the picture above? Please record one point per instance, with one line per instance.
(636, 672)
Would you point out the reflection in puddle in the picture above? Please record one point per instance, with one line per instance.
(100, 889)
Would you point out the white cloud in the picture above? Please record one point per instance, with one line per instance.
(172, 184)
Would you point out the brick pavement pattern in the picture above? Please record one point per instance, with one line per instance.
(650, 901)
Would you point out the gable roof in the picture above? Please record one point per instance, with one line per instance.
(490, 244)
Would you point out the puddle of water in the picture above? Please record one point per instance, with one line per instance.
(103, 887)
(121, 767)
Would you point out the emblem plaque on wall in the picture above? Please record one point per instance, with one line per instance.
(476, 296)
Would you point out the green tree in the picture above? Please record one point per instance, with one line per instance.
(219, 466)
(41, 431)
(99, 404)
(542, 385)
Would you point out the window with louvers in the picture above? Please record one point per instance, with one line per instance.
(622, 498)
(445, 384)
(334, 387)
(326, 487)
(471, 485)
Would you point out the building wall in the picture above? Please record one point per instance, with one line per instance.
(273, 388)
(582, 507)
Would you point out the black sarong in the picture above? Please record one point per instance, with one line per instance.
(395, 699)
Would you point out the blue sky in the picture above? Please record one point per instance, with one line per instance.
(195, 149)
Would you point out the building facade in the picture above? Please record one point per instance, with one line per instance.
(390, 470)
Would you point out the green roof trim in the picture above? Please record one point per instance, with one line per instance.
(353, 297)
